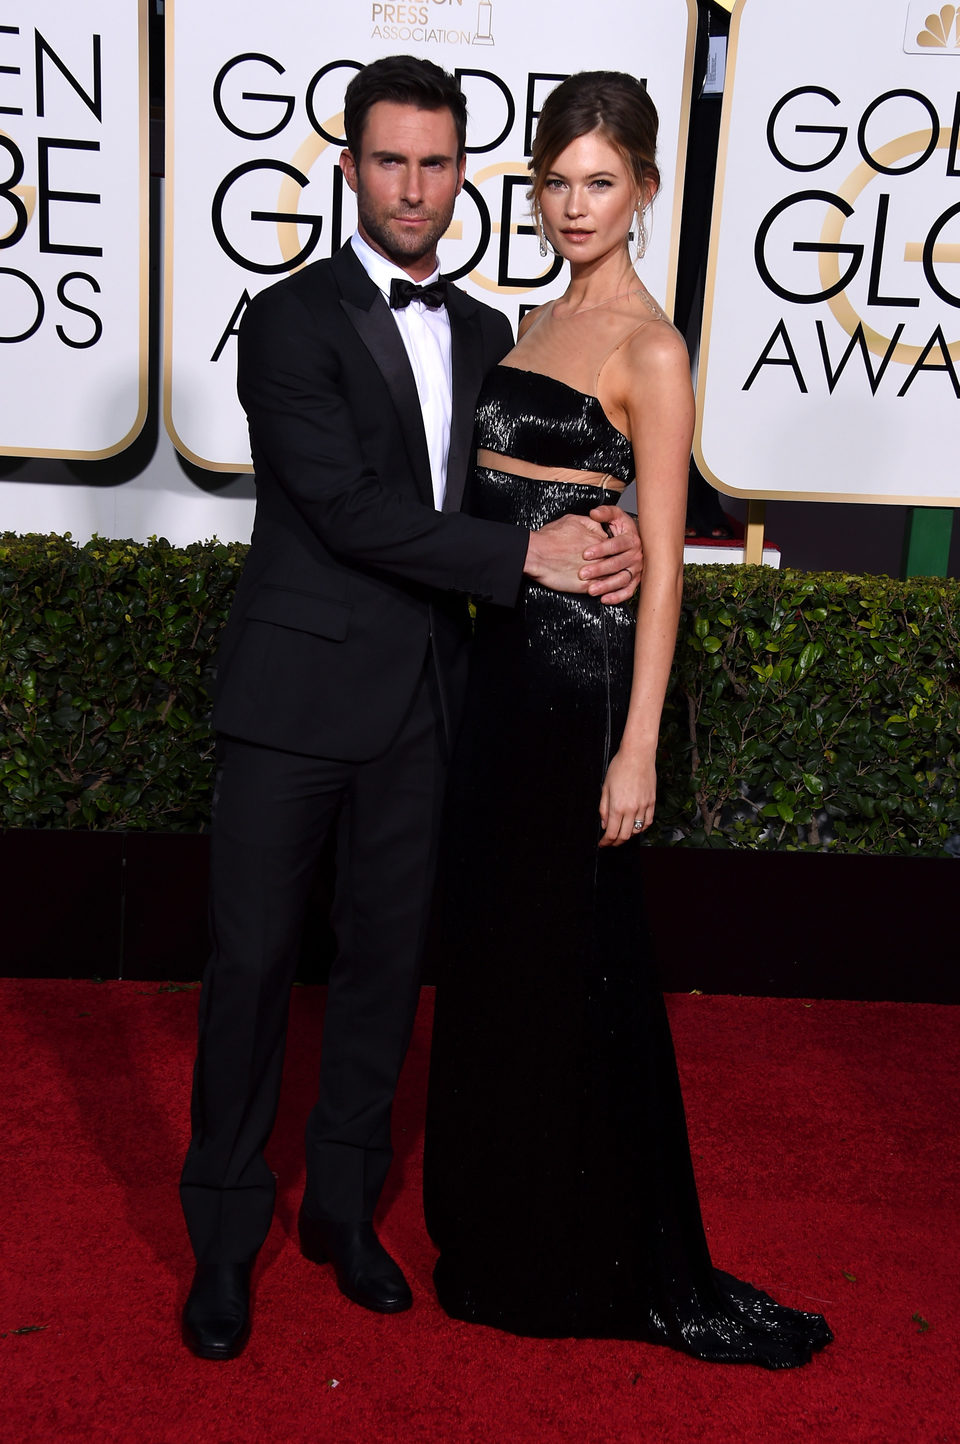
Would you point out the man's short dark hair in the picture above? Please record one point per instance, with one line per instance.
(406, 80)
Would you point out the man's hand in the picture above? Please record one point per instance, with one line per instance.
(609, 541)
(556, 552)
(617, 563)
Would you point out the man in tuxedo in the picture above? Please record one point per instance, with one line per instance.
(339, 679)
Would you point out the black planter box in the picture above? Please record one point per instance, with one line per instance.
(773, 924)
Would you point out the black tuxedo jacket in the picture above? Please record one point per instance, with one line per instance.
(352, 573)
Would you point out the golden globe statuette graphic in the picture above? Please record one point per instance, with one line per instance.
(484, 35)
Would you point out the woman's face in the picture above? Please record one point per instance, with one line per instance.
(589, 199)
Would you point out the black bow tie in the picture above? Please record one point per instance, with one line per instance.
(402, 292)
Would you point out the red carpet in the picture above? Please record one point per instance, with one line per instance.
(825, 1142)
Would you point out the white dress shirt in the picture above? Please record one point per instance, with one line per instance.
(426, 336)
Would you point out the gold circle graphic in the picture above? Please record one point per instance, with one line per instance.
(27, 193)
(829, 264)
(290, 191)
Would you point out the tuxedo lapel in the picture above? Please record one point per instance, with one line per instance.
(368, 313)
(466, 348)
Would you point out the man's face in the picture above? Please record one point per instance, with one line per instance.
(406, 182)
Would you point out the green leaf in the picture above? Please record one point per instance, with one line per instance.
(807, 658)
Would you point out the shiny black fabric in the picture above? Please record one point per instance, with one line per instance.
(558, 1180)
(537, 418)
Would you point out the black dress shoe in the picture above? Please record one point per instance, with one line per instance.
(365, 1271)
(216, 1316)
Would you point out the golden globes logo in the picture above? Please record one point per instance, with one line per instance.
(881, 208)
(39, 218)
(297, 200)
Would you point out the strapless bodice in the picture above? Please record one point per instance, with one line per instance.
(536, 418)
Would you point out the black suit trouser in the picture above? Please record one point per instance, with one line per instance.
(273, 812)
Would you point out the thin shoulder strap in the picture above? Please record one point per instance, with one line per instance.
(622, 342)
(542, 313)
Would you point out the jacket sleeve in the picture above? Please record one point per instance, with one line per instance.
(301, 426)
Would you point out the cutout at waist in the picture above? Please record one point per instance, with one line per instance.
(570, 476)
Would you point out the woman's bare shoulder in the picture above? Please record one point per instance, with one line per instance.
(646, 331)
(530, 318)
(652, 361)
(655, 343)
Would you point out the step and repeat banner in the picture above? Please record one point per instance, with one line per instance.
(830, 354)
(255, 128)
(830, 361)
(73, 227)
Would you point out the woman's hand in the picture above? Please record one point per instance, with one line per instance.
(629, 795)
(623, 542)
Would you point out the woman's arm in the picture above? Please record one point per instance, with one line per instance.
(649, 381)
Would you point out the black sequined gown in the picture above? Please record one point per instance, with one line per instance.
(558, 1180)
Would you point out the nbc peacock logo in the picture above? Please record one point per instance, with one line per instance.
(936, 32)
(941, 30)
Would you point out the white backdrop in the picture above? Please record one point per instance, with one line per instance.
(836, 226)
(73, 226)
(254, 117)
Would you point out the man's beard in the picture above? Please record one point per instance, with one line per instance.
(401, 247)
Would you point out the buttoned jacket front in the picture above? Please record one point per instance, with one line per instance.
(352, 573)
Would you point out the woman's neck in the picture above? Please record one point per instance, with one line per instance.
(597, 282)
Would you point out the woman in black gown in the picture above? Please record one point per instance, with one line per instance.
(558, 1180)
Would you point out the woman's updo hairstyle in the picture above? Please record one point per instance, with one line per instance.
(607, 101)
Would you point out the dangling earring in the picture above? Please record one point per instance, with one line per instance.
(641, 234)
(538, 222)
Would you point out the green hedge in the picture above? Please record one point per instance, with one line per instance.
(806, 712)
(105, 654)
(814, 711)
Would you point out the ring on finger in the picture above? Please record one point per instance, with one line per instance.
(638, 825)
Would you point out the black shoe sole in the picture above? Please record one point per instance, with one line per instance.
(393, 1306)
(212, 1351)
